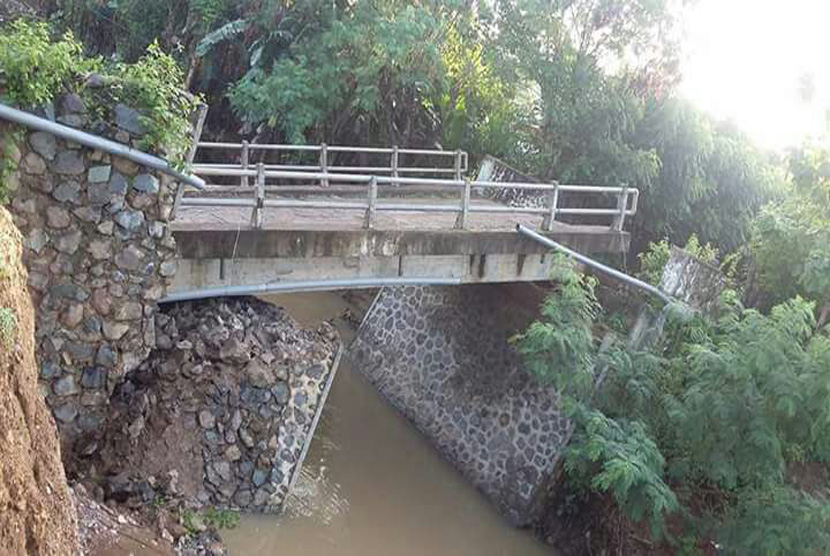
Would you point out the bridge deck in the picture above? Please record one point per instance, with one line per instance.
(233, 218)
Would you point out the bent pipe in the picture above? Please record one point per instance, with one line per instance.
(306, 286)
(96, 142)
(587, 261)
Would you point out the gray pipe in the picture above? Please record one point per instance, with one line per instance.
(96, 142)
(306, 285)
(622, 276)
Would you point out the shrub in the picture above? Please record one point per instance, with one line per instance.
(718, 409)
(155, 85)
(654, 259)
(33, 68)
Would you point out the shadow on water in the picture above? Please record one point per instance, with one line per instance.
(371, 484)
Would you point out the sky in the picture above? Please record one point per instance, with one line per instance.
(743, 61)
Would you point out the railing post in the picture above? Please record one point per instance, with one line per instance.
(622, 206)
(369, 220)
(324, 163)
(245, 160)
(553, 202)
(256, 214)
(458, 164)
(461, 221)
(395, 165)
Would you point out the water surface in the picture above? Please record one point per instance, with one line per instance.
(371, 485)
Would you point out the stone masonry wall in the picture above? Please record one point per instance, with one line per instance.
(219, 413)
(99, 253)
(440, 355)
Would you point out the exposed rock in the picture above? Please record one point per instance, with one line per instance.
(69, 163)
(131, 258)
(33, 164)
(114, 330)
(130, 220)
(69, 242)
(67, 192)
(126, 167)
(73, 316)
(44, 144)
(209, 414)
(58, 217)
(88, 214)
(118, 184)
(73, 104)
(206, 419)
(98, 174)
(128, 119)
(65, 386)
(129, 311)
(146, 183)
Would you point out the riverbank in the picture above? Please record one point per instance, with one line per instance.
(371, 484)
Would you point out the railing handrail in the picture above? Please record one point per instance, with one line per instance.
(371, 205)
(96, 142)
(237, 171)
(331, 148)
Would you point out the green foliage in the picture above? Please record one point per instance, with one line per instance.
(196, 522)
(791, 236)
(725, 405)
(154, 84)
(777, 521)
(619, 456)
(221, 519)
(368, 60)
(560, 347)
(654, 259)
(33, 68)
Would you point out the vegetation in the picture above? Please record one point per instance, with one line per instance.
(538, 93)
(700, 433)
(721, 407)
(653, 260)
(34, 69)
(196, 522)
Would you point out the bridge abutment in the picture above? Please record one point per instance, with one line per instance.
(441, 356)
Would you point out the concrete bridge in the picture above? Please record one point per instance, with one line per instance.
(275, 222)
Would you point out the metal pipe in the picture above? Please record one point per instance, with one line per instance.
(307, 285)
(613, 272)
(96, 142)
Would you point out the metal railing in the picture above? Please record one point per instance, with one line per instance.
(371, 205)
(95, 142)
(325, 165)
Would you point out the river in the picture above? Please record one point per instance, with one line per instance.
(372, 485)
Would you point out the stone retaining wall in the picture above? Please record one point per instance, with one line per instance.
(99, 253)
(219, 413)
(440, 355)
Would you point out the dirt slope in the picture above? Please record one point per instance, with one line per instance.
(37, 516)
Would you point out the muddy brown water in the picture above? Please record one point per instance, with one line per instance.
(371, 484)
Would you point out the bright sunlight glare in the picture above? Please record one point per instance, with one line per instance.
(755, 62)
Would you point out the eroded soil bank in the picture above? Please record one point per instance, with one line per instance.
(36, 511)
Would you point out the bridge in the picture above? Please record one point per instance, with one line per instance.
(346, 216)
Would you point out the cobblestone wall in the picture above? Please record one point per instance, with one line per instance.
(99, 253)
(219, 413)
(441, 357)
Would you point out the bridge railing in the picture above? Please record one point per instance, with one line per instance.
(369, 185)
(436, 162)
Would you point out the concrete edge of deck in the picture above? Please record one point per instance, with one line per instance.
(269, 243)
